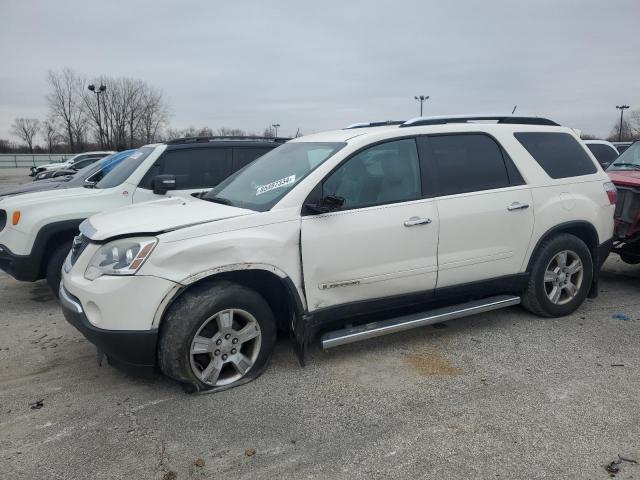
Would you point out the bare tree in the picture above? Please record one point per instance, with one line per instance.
(26, 130)
(66, 105)
(50, 134)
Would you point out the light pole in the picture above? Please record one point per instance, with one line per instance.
(421, 99)
(276, 125)
(98, 91)
(622, 108)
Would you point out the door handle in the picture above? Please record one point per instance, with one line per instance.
(413, 221)
(517, 206)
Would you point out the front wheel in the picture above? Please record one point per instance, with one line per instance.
(216, 336)
(561, 277)
(54, 266)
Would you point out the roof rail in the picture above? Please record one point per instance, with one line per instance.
(233, 138)
(374, 124)
(511, 119)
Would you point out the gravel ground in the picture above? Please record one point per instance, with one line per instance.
(498, 395)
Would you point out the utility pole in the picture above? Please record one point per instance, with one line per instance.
(98, 91)
(622, 108)
(276, 125)
(421, 99)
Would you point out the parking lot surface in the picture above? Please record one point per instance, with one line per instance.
(499, 395)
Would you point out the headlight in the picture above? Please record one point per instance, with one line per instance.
(120, 257)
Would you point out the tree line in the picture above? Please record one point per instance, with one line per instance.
(130, 113)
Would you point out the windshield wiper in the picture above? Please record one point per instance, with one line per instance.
(634, 166)
(220, 200)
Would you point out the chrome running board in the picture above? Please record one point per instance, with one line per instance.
(415, 320)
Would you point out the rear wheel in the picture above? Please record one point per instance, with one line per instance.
(217, 336)
(54, 266)
(560, 278)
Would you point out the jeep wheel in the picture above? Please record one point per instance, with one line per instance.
(54, 266)
(216, 336)
(560, 278)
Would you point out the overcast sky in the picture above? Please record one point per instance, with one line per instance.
(318, 65)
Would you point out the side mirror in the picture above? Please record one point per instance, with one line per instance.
(163, 183)
(325, 205)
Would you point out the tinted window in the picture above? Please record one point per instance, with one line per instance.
(469, 163)
(603, 153)
(244, 156)
(559, 154)
(84, 163)
(197, 168)
(386, 173)
(124, 170)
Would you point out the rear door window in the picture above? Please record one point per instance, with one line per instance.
(559, 154)
(198, 167)
(470, 163)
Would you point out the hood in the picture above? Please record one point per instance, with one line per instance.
(47, 197)
(627, 178)
(39, 186)
(157, 216)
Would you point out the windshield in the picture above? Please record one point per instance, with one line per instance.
(628, 160)
(124, 170)
(262, 183)
(103, 166)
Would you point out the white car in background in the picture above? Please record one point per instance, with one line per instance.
(605, 152)
(350, 234)
(69, 162)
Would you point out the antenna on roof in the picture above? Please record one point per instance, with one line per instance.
(514, 109)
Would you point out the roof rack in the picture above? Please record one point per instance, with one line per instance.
(510, 119)
(374, 124)
(233, 138)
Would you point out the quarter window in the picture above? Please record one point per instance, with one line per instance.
(559, 154)
(469, 163)
(385, 173)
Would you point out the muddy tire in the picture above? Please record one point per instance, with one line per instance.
(216, 336)
(560, 278)
(54, 267)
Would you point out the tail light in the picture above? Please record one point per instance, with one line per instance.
(612, 192)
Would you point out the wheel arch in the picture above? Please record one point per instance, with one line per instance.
(585, 231)
(48, 238)
(273, 287)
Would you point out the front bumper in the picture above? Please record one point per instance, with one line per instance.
(133, 351)
(20, 267)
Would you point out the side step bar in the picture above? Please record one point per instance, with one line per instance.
(415, 320)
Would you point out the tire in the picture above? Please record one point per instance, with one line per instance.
(543, 289)
(206, 311)
(54, 266)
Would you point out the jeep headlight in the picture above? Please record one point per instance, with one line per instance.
(120, 257)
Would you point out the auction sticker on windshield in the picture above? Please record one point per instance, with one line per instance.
(277, 184)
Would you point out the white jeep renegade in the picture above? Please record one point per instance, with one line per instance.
(36, 229)
(349, 234)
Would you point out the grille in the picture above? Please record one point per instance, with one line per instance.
(77, 247)
(3, 219)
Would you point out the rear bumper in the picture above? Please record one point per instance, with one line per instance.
(133, 351)
(20, 267)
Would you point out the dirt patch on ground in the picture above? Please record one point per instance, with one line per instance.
(432, 363)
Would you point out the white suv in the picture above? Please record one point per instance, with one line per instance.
(36, 229)
(411, 224)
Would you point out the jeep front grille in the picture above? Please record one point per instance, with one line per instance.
(3, 219)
